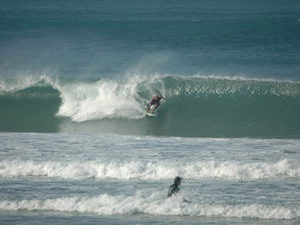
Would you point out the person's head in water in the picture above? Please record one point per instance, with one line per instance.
(177, 180)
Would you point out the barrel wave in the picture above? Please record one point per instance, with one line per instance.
(195, 106)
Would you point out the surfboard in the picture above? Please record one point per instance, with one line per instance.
(151, 114)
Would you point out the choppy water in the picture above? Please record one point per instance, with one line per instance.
(108, 177)
(75, 77)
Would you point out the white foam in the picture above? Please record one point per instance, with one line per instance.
(154, 204)
(84, 100)
(144, 170)
(102, 99)
(106, 99)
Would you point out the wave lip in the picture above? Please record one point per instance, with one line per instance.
(282, 169)
(25, 82)
(103, 99)
(154, 204)
(194, 107)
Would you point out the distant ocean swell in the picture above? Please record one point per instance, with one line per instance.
(194, 106)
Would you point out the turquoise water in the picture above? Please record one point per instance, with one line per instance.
(76, 145)
(194, 107)
(227, 69)
(111, 38)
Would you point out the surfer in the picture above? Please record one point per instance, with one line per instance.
(174, 188)
(154, 101)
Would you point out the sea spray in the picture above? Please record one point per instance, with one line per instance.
(194, 106)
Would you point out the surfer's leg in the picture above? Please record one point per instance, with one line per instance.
(156, 106)
(148, 106)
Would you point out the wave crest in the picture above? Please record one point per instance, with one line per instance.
(155, 204)
(147, 170)
(194, 106)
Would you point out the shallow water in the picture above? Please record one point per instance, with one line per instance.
(121, 179)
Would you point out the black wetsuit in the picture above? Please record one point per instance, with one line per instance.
(173, 189)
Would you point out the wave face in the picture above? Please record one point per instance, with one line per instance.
(194, 106)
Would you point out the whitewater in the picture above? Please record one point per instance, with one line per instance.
(112, 176)
(194, 106)
(76, 146)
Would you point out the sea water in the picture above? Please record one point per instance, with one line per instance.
(77, 178)
(77, 148)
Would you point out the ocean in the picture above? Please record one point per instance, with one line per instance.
(77, 148)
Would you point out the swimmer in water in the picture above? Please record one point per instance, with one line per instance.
(174, 188)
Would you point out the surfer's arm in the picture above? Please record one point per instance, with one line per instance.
(187, 201)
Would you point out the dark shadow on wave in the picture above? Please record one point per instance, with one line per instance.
(30, 110)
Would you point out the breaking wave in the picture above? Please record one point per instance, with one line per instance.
(141, 170)
(194, 106)
(153, 204)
